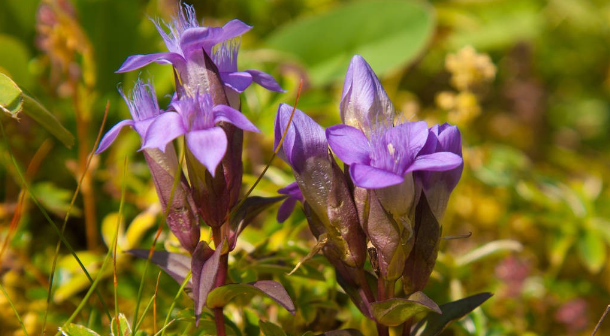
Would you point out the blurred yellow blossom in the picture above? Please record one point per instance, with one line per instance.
(469, 68)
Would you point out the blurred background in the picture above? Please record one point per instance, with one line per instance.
(526, 81)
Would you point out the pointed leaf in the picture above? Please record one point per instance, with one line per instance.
(77, 330)
(435, 323)
(13, 101)
(125, 329)
(222, 295)
(270, 329)
(396, 33)
(11, 97)
(249, 209)
(175, 264)
(204, 266)
(394, 312)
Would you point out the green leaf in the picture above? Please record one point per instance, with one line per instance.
(592, 250)
(435, 323)
(394, 312)
(125, 329)
(222, 295)
(342, 332)
(13, 100)
(41, 115)
(77, 330)
(270, 329)
(11, 97)
(396, 33)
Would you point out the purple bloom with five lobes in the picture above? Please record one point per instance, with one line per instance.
(439, 185)
(389, 155)
(144, 109)
(196, 119)
(364, 103)
(185, 41)
(294, 194)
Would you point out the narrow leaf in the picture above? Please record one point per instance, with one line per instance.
(204, 266)
(394, 312)
(41, 115)
(435, 323)
(175, 264)
(222, 295)
(246, 211)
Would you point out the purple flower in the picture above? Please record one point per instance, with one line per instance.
(225, 58)
(294, 194)
(304, 138)
(364, 103)
(144, 110)
(185, 41)
(196, 119)
(389, 155)
(439, 185)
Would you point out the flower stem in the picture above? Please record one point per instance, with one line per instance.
(220, 234)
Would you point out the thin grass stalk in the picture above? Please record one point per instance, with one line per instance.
(65, 223)
(8, 298)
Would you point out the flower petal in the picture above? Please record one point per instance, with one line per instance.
(373, 178)
(304, 139)
(349, 144)
(238, 81)
(137, 61)
(450, 139)
(109, 137)
(233, 116)
(265, 80)
(233, 28)
(440, 161)
(286, 209)
(166, 127)
(208, 146)
(364, 102)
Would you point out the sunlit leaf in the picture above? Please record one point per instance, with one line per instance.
(396, 311)
(125, 329)
(11, 97)
(77, 330)
(396, 33)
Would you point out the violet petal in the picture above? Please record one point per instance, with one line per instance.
(166, 127)
(208, 146)
(373, 178)
(440, 161)
(265, 80)
(109, 137)
(137, 61)
(233, 116)
(349, 144)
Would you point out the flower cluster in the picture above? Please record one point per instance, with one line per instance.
(391, 197)
(204, 111)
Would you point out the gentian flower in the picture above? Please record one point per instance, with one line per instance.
(143, 107)
(186, 41)
(439, 185)
(364, 103)
(294, 195)
(389, 155)
(196, 119)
